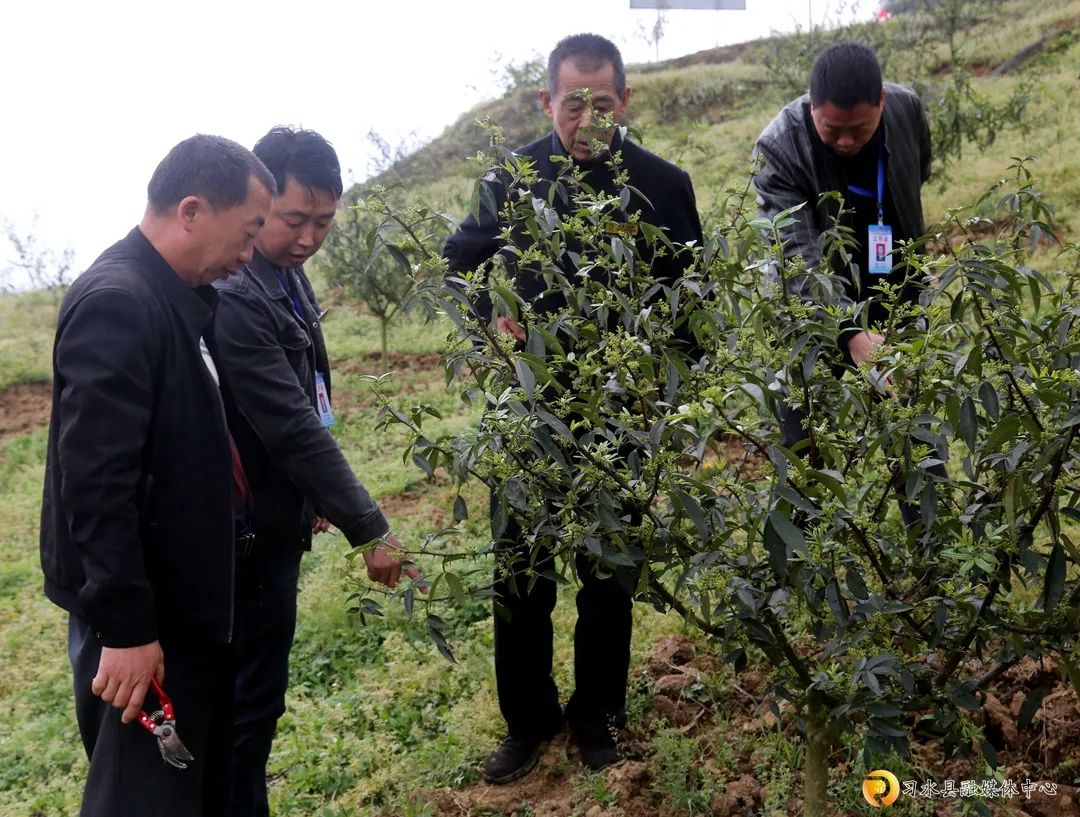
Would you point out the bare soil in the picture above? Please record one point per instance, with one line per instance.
(23, 408)
(1045, 752)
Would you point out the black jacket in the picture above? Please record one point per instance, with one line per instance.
(269, 359)
(799, 167)
(137, 519)
(666, 187)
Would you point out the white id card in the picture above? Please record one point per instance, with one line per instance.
(322, 400)
(879, 248)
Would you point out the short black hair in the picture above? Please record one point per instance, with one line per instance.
(588, 51)
(303, 154)
(211, 167)
(846, 74)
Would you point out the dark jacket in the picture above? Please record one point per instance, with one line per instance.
(137, 519)
(668, 202)
(799, 167)
(294, 466)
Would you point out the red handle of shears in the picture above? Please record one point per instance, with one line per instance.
(166, 707)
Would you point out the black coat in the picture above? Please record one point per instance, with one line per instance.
(668, 202)
(798, 167)
(137, 517)
(294, 465)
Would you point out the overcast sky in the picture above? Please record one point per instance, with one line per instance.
(95, 93)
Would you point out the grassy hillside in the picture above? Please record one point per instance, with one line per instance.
(378, 723)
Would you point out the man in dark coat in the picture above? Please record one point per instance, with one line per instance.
(869, 141)
(586, 80)
(838, 137)
(277, 374)
(140, 485)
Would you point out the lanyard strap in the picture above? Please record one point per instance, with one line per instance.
(862, 191)
(290, 290)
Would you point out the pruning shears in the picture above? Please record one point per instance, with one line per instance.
(162, 725)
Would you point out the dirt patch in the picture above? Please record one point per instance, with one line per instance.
(23, 408)
(413, 506)
(1044, 751)
(403, 362)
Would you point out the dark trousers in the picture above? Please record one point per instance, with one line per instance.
(127, 776)
(793, 433)
(266, 586)
(528, 697)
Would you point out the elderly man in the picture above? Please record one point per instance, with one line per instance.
(586, 87)
(276, 371)
(141, 483)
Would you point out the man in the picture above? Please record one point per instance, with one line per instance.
(581, 69)
(869, 141)
(276, 371)
(838, 137)
(137, 515)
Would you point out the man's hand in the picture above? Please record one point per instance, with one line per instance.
(863, 345)
(508, 326)
(124, 675)
(385, 565)
(320, 524)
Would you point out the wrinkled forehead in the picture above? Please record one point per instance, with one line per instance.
(579, 76)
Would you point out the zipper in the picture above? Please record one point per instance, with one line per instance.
(223, 421)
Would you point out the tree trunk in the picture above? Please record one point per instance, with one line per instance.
(383, 323)
(820, 741)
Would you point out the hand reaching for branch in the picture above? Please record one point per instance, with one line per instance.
(508, 326)
(862, 346)
(385, 564)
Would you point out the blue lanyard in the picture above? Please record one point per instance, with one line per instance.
(290, 290)
(862, 191)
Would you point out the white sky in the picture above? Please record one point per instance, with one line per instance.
(96, 91)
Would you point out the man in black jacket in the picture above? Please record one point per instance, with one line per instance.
(137, 515)
(869, 141)
(586, 80)
(276, 371)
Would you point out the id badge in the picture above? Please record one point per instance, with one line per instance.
(879, 246)
(322, 400)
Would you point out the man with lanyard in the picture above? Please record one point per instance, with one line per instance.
(276, 372)
(869, 141)
(579, 66)
(140, 484)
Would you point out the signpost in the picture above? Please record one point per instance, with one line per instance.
(703, 5)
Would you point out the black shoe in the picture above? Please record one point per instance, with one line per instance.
(513, 758)
(598, 750)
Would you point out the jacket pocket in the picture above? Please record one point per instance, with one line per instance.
(293, 337)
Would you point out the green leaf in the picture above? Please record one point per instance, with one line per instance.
(786, 530)
(693, 509)
(1009, 499)
(400, 257)
(887, 727)
(456, 588)
(1004, 430)
(1029, 707)
(525, 377)
(963, 697)
(461, 510)
(422, 463)
(989, 396)
(487, 199)
(1054, 583)
(969, 422)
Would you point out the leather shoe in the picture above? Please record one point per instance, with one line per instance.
(598, 750)
(512, 759)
